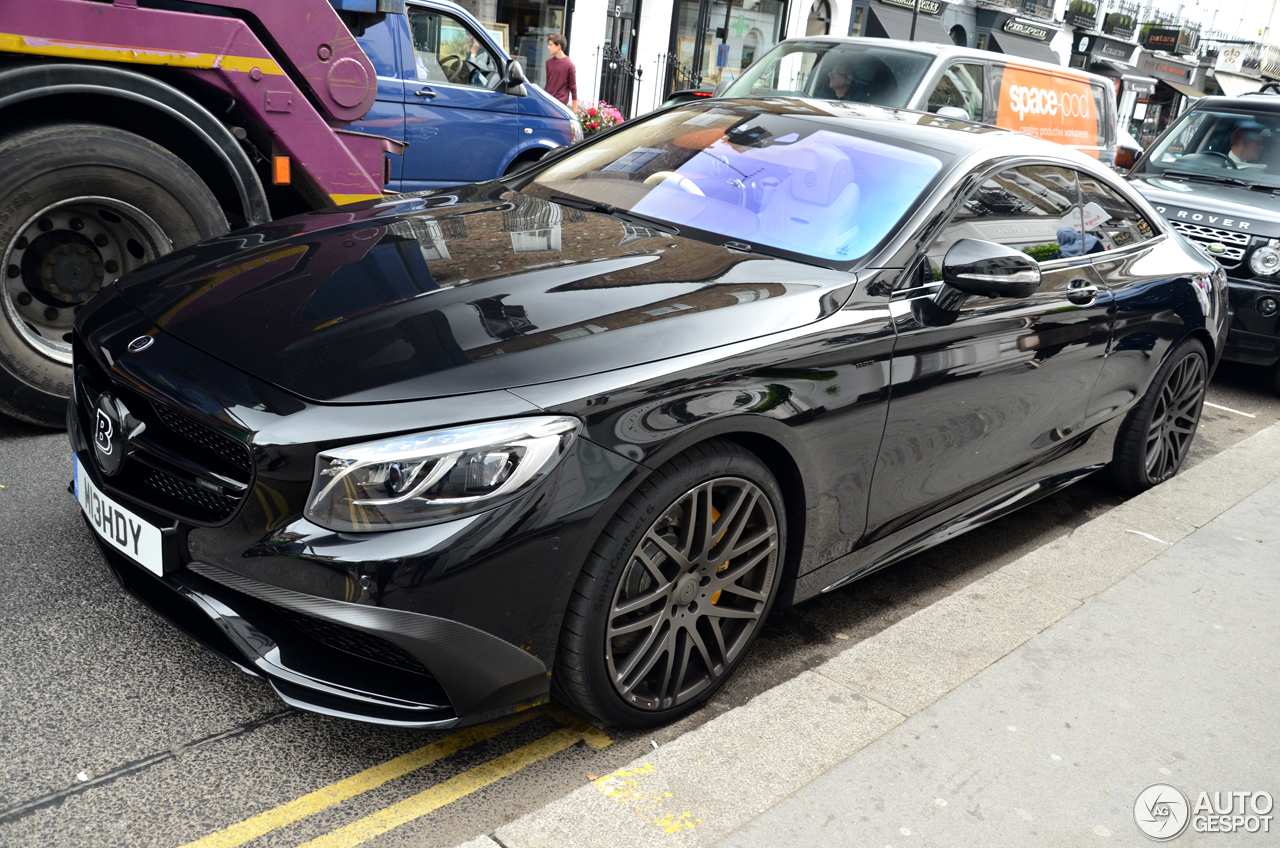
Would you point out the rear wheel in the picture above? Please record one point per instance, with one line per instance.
(1157, 433)
(676, 589)
(80, 205)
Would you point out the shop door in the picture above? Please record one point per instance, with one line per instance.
(618, 72)
(715, 40)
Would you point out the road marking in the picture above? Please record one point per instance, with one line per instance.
(1229, 409)
(1146, 536)
(335, 793)
(429, 800)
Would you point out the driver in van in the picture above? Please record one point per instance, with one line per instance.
(1246, 146)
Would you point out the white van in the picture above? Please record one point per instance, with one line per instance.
(1060, 104)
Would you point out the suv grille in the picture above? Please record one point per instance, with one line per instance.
(176, 465)
(1235, 243)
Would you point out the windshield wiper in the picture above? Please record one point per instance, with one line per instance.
(1208, 178)
(610, 209)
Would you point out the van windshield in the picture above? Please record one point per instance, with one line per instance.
(860, 73)
(1233, 147)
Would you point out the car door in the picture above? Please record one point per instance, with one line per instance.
(386, 116)
(459, 128)
(990, 389)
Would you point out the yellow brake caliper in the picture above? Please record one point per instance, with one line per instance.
(715, 516)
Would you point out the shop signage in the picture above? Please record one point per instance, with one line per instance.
(1103, 48)
(1158, 38)
(1165, 69)
(1230, 59)
(1015, 27)
(927, 7)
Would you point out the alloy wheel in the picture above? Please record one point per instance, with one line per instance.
(692, 594)
(1174, 418)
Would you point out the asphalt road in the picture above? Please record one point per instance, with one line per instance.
(119, 731)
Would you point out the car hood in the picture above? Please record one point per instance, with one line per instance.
(465, 290)
(1212, 205)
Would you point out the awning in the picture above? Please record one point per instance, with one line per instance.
(1234, 85)
(1027, 48)
(887, 22)
(1183, 88)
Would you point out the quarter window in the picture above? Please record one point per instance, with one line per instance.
(1110, 218)
(445, 51)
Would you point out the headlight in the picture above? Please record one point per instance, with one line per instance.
(428, 477)
(1265, 260)
(577, 131)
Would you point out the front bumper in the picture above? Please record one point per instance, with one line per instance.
(1254, 338)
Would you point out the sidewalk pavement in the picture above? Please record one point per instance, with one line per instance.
(1030, 708)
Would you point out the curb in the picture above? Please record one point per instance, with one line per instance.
(712, 780)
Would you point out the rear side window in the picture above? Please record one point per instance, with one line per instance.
(1110, 218)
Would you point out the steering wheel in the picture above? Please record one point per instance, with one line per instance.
(453, 67)
(1226, 160)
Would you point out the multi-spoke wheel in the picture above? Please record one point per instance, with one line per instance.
(675, 590)
(1156, 435)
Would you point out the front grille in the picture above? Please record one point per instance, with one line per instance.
(1235, 243)
(176, 465)
(211, 440)
(210, 502)
(356, 642)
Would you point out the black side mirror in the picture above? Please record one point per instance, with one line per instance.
(514, 80)
(987, 269)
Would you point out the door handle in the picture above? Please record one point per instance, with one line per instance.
(1082, 292)
(425, 92)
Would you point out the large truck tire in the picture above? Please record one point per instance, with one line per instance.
(80, 205)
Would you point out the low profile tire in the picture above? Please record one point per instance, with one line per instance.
(1157, 433)
(80, 205)
(675, 590)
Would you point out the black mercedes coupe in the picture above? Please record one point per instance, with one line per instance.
(426, 461)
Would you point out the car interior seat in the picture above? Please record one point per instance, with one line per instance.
(815, 208)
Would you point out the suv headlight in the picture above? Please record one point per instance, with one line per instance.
(429, 477)
(1265, 260)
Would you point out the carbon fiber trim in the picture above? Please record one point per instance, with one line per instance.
(479, 672)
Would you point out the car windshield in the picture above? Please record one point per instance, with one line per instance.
(860, 73)
(751, 172)
(1234, 147)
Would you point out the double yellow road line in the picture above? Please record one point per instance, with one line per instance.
(574, 730)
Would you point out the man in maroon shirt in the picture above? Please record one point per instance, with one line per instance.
(562, 76)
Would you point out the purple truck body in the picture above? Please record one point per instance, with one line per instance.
(314, 49)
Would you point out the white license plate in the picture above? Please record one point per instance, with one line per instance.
(120, 528)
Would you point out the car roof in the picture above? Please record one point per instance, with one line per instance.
(949, 51)
(1250, 102)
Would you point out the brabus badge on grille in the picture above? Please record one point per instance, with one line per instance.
(113, 427)
(141, 343)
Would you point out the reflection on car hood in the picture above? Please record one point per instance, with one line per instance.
(1221, 206)
(465, 290)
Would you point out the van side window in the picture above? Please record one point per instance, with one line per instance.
(959, 88)
(445, 51)
(1028, 208)
(1109, 218)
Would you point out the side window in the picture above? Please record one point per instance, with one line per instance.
(445, 51)
(1034, 208)
(1109, 220)
(378, 43)
(959, 88)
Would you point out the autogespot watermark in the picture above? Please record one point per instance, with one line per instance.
(1163, 812)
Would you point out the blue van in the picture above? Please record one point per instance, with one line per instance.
(459, 101)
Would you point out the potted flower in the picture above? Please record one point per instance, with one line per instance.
(597, 117)
(1082, 14)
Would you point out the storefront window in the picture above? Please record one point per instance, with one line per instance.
(734, 35)
(521, 27)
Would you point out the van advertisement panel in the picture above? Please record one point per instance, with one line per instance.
(1049, 106)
